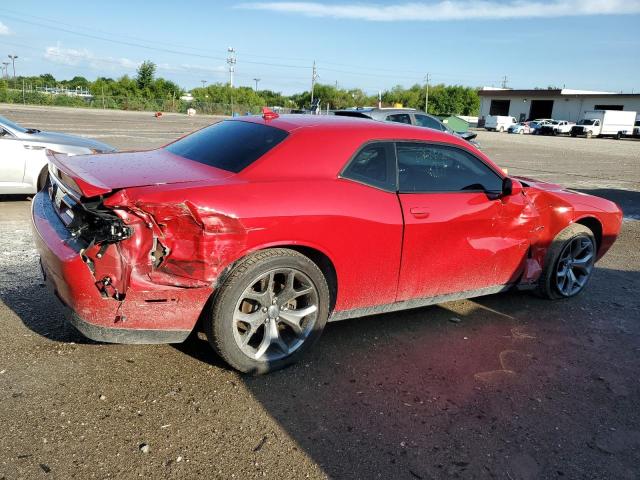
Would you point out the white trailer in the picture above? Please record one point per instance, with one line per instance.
(601, 123)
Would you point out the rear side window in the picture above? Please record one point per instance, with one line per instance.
(229, 145)
(425, 121)
(374, 165)
(399, 118)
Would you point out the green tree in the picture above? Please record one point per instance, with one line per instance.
(146, 72)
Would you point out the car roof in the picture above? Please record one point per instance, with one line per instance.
(320, 145)
(292, 123)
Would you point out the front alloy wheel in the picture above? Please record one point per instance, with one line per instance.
(574, 266)
(569, 263)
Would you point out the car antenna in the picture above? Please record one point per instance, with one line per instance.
(269, 114)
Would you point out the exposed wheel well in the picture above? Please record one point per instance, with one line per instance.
(595, 226)
(326, 266)
(42, 178)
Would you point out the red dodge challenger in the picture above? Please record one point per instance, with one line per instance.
(264, 228)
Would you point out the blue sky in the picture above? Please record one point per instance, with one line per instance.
(583, 44)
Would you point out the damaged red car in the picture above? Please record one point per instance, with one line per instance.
(261, 229)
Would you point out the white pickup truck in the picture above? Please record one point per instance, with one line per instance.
(556, 127)
(600, 123)
(499, 123)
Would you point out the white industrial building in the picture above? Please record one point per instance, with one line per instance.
(560, 104)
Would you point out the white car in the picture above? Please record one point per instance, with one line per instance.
(23, 160)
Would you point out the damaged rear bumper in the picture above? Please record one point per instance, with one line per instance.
(160, 315)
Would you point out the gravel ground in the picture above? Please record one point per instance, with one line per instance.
(507, 386)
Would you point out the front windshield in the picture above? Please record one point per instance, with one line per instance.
(586, 122)
(12, 126)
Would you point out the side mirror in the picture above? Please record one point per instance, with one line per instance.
(510, 187)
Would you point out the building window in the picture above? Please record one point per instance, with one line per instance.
(499, 107)
(609, 107)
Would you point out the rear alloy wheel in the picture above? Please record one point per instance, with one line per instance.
(569, 263)
(272, 308)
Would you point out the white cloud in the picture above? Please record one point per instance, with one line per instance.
(75, 57)
(4, 30)
(451, 9)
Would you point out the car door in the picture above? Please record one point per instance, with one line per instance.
(451, 205)
(12, 159)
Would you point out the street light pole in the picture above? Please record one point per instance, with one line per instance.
(13, 61)
(204, 82)
(426, 95)
(314, 77)
(5, 70)
(231, 60)
(256, 80)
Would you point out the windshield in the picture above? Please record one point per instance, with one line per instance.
(5, 122)
(229, 145)
(586, 122)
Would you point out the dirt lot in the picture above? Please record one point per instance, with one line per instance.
(508, 386)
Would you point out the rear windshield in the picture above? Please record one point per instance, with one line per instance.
(229, 145)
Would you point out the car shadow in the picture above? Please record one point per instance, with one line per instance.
(455, 390)
(503, 386)
(41, 312)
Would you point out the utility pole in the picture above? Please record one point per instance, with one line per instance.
(231, 61)
(256, 80)
(504, 82)
(314, 77)
(204, 82)
(13, 61)
(427, 78)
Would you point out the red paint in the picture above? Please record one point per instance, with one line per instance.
(384, 247)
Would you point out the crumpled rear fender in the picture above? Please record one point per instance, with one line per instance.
(175, 244)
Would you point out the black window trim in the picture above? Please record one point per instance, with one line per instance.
(390, 188)
(500, 175)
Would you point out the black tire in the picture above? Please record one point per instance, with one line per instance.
(547, 287)
(43, 179)
(219, 325)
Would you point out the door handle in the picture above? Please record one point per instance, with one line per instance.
(419, 212)
(33, 147)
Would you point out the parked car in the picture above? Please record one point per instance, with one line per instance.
(499, 123)
(538, 123)
(265, 228)
(556, 127)
(408, 116)
(600, 123)
(23, 163)
(520, 128)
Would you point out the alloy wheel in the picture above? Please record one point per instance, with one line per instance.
(575, 266)
(275, 314)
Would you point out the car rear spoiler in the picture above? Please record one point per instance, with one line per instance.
(70, 173)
